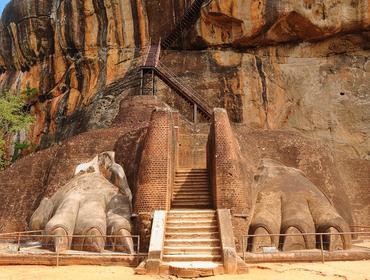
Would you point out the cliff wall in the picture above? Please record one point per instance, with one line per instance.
(300, 66)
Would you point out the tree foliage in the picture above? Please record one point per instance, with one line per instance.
(14, 117)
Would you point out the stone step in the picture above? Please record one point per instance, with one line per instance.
(192, 188)
(191, 223)
(193, 214)
(192, 175)
(189, 229)
(193, 198)
(192, 242)
(191, 185)
(197, 195)
(191, 219)
(190, 170)
(191, 180)
(189, 258)
(191, 204)
(191, 192)
(195, 201)
(192, 235)
(168, 250)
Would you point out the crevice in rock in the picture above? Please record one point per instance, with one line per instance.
(264, 98)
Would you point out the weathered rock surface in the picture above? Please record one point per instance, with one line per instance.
(274, 65)
(84, 66)
(254, 23)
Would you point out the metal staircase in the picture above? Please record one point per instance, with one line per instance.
(189, 18)
(153, 67)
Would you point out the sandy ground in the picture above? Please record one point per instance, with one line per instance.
(359, 270)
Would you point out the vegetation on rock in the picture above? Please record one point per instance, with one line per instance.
(14, 118)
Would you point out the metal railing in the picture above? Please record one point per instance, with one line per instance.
(182, 25)
(41, 244)
(156, 67)
(322, 242)
(188, 92)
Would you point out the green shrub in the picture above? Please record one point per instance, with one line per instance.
(14, 118)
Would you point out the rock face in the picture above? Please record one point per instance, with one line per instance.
(84, 66)
(69, 51)
(278, 66)
(254, 23)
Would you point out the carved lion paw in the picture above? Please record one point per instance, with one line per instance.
(94, 204)
(288, 203)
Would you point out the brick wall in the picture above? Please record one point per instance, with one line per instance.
(156, 171)
(229, 187)
(156, 165)
(192, 144)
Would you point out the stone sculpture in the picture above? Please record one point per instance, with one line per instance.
(95, 203)
(286, 201)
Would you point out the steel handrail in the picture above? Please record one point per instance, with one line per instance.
(191, 90)
(309, 233)
(190, 96)
(321, 241)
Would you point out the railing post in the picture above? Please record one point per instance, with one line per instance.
(153, 83)
(322, 249)
(195, 114)
(57, 258)
(138, 250)
(19, 242)
(142, 82)
(243, 247)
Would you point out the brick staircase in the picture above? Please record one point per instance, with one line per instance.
(192, 233)
(192, 236)
(191, 189)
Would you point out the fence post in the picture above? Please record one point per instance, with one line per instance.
(322, 249)
(153, 82)
(142, 82)
(19, 242)
(138, 250)
(195, 113)
(58, 258)
(243, 247)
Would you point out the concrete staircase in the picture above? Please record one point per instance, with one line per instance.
(191, 189)
(192, 236)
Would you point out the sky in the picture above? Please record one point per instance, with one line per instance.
(2, 5)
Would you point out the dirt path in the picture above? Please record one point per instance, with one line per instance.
(305, 271)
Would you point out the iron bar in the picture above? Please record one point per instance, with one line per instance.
(322, 249)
